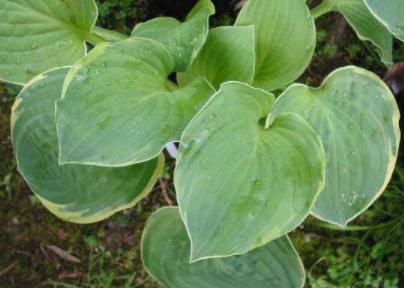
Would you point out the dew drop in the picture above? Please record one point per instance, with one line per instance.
(184, 145)
(82, 75)
(202, 136)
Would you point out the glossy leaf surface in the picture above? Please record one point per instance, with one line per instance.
(75, 193)
(117, 108)
(389, 12)
(165, 254)
(182, 40)
(285, 39)
(357, 117)
(239, 184)
(228, 54)
(42, 34)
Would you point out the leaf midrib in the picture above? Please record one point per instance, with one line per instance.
(69, 25)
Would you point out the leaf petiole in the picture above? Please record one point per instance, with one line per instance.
(323, 8)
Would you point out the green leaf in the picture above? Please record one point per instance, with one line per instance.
(75, 193)
(108, 35)
(390, 13)
(357, 118)
(285, 39)
(165, 255)
(42, 34)
(366, 26)
(240, 184)
(117, 108)
(182, 40)
(228, 54)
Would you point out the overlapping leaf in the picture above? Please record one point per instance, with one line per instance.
(74, 193)
(357, 118)
(239, 183)
(366, 26)
(117, 108)
(285, 39)
(165, 254)
(182, 40)
(228, 54)
(42, 34)
(390, 13)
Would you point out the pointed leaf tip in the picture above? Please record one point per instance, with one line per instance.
(165, 254)
(240, 185)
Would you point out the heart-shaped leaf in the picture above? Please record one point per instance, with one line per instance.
(39, 35)
(228, 54)
(240, 183)
(165, 255)
(390, 13)
(117, 108)
(357, 118)
(285, 39)
(75, 193)
(182, 40)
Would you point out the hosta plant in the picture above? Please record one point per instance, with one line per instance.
(257, 153)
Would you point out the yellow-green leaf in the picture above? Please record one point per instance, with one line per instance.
(165, 255)
(357, 118)
(228, 54)
(37, 35)
(182, 40)
(75, 193)
(117, 108)
(390, 13)
(366, 26)
(285, 39)
(240, 182)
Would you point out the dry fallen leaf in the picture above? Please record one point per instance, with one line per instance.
(70, 275)
(63, 254)
(62, 235)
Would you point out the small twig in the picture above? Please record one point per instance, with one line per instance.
(25, 253)
(163, 188)
(70, 275)
(8, 268)
(63, 254)
(53, 262)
